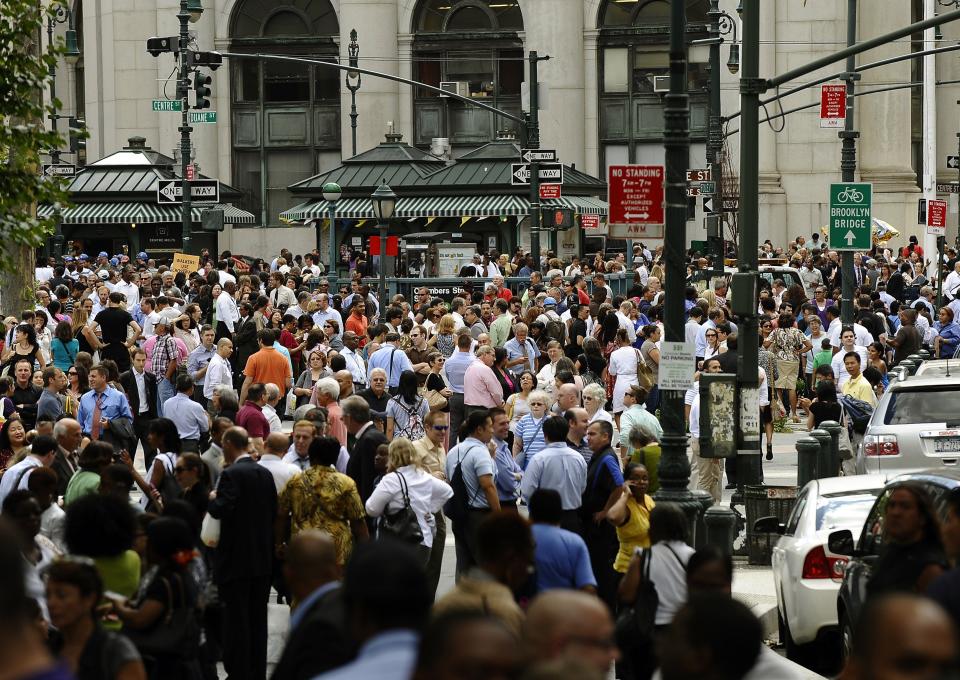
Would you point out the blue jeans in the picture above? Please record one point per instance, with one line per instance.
(165, 390)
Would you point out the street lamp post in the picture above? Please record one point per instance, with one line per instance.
(190, 11)
(353, 84)
(61, 15)
(384, 202)
(721, 24)
(848, 163)
(674, 464)
(331, 194)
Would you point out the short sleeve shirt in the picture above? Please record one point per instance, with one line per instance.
(475, 461)
(114, 321)
(268, 366)
(562, 559)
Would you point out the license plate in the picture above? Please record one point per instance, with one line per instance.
(947, 445)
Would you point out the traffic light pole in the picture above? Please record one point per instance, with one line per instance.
(848, 163)
(533, 142)
(183, 87)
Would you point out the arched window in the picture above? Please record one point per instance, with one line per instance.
(634, 50)
(474, 48)
(285, 115)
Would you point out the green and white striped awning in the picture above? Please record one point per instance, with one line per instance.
(496, 205)
(133, 213)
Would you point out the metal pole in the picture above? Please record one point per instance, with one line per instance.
(930, 241)
(57, 249)
(748, 377)
(332, 264)
(714, 136)
(533, 142)
(183, 87)
(674, 464)
(354, 54)
(383, 266)
(848, 161)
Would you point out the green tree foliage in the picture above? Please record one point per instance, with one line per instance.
(24, 76)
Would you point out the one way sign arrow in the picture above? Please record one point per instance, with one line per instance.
(708, 204)
(953, 162)
(850, 237)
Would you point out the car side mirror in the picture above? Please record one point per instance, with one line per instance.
(841, 542)
(769, 525)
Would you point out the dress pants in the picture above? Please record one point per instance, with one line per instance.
(436, 553)
(245, 627)
(455, 402)
(140, 425)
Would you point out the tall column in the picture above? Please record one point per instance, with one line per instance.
(555, 28)
(405, 98)
(591, 96)
(377, 99)
(772, 207)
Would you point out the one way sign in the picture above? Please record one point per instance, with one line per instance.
(170, 191)
(551, 173)
(953, 162)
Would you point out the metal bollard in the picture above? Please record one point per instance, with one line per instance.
(823, 460)
(909, 365)
(808, 453)
(924, 354)
(833, 462)
(721, 524)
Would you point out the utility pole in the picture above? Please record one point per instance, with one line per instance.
(353, 81)
(674, 464)
(533, 142)
(183, 87)
(848, 162)
(745, 283)
(930, 242)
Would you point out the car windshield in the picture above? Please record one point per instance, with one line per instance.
(844, 510)
(928, 405)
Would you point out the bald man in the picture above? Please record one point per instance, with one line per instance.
(317, 641)
(345, 379)
(274, 449)
(569, 623)
(902, 636)
(568, 397)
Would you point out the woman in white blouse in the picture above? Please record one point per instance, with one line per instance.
(408, 481)
(594, 399)
(622, 369)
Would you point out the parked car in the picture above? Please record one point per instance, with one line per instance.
(806, 578)
(916, 425)
(704, 278)
(937, 368)
(862, 553)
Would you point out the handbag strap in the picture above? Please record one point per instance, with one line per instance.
(523, 444)
(404, 489)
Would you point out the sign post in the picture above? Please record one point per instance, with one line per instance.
(851, 219)
(937, 218)
(635, 196)
(833, 106)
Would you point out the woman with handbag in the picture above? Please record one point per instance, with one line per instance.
(517, 404)
(437, 391)
(623, 370)
(74, 590)
(162, 619)
(407, 498)
(653, 590)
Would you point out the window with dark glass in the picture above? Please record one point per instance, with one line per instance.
(285, 115)
(472, 47)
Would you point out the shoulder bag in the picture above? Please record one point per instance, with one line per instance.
(177, 634)
(644, 373)
(402, 524)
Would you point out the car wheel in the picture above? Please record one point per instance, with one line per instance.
(826, 650)
(846, 638)
(796, 653)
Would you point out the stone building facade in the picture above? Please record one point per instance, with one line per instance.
(281, 123)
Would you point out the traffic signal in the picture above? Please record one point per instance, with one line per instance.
(212, 60)
(556, 218)
(201, 86)
(211, 220)
(78, 134)
(157, 46)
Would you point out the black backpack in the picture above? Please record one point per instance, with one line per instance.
(557, 330)
(457, 507)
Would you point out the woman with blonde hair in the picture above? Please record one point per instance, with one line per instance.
(444, 339)
(408, 487)
(82, 332)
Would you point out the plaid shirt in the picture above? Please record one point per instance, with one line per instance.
(164, 352)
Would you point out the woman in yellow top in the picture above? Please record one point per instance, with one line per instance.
(631, 516)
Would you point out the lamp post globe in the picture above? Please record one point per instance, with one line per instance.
(331, 194)
(195, 7)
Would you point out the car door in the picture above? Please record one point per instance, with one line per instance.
(784, 560)
(859, 569)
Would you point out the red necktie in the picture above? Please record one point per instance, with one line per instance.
(95, 429)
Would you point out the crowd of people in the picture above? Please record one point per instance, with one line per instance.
(159, 501)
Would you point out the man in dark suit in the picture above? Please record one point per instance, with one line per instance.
(356, 418)
(141, 389)
(66, 461)
(317, 641)
(245, 502)
(244, 342)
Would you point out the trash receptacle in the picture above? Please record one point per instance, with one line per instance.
(765, 501)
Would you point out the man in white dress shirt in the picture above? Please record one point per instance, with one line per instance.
(274, 450)
(128, 287)
(325, 313)
(228, 314)
(219, 371)
(355, 363)
(270, 408)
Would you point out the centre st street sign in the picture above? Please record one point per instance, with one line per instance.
(851, 208)
(635, 196)
(167, 105)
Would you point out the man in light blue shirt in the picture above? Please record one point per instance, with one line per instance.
(561, 556)
(522, 351)
(112, 404)
(454, 369)
(189, 416)
(199, 359)
(385, 586)
(560, 468)
(391, 359)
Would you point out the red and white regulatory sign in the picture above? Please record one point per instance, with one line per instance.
(833, 106)
(937, 218)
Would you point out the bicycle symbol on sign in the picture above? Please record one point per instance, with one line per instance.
(850, 195)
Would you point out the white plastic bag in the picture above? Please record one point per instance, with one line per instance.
(210, 531)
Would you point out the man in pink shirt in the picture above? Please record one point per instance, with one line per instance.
(325, 394)
(481, 389)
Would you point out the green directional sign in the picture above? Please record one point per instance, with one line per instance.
(203, 117)
(167, 105)
(851, 216)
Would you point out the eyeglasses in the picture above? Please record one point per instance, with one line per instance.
(441, 428)
(710, 335)
(71, 373)
(178, 469)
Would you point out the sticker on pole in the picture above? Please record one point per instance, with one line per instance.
(851, 206)
(937, 218)
(833, 106)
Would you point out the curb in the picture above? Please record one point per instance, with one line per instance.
(767, 615)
